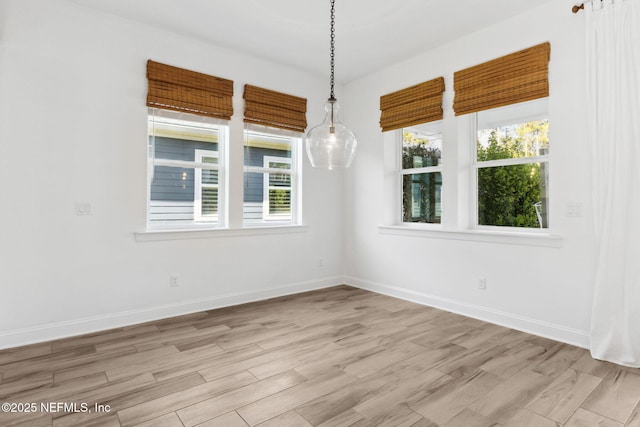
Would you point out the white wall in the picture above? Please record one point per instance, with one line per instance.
(73, 129)
(545, 290)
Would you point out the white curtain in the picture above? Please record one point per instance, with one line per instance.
(613, 76)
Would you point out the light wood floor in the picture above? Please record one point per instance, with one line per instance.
(334, 357)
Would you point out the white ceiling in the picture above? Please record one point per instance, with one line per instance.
(370, 34)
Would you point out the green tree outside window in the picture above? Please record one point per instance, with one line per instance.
(513, 195)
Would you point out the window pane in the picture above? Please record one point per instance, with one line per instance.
(178, 199)
(421, 146)
(184, 195)
(262, 150)
(280, 203)
(208, 159)
(513, 196)
(525, 139)
(179, 139)
(268, 195)
(172, 195)
(209, 176)
(172, 184)
(278, 164)
(181, 149)
(253, 196)
(279, 180)
(421, 199)
(209, 201)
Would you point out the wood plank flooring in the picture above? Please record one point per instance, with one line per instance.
(334, 357)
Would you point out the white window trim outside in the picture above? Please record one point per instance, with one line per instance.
(266, 187)
(198, 185)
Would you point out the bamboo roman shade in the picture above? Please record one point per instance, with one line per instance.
(173, 88)
(518, 77)
(417, 104)
(276, 109)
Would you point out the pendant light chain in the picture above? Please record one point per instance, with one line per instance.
(331, 144)
(333, 40)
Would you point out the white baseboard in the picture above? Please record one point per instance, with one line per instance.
(525, 324)
(42, 333)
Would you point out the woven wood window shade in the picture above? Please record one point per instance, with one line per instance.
(173, 88)
(518, 77)
(276, 109)
(417, 104)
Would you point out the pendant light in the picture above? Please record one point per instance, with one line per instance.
(331, 144)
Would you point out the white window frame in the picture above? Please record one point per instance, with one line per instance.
(223, 132)
(458, 193)
(507, 115)
(295, 172)
(427, 169)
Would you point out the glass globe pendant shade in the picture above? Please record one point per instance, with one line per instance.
(331, 145)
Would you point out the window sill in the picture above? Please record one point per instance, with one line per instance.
(489, 236)
(160, 235)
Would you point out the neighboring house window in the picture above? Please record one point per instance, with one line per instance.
(186, 173)
(276, 194)
(206, 187)
(271, 178)
(512, 172)
(422, 173)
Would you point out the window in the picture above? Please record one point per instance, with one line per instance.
(271, 178)
(206, 187)
(496, 166)
(417, 112)
(422, 173)
(186, 171)
(187, 139)
(276, 189)
(512, 173)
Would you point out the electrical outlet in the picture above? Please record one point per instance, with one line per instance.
(83, 208)
(482, 284)
(174, 280)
